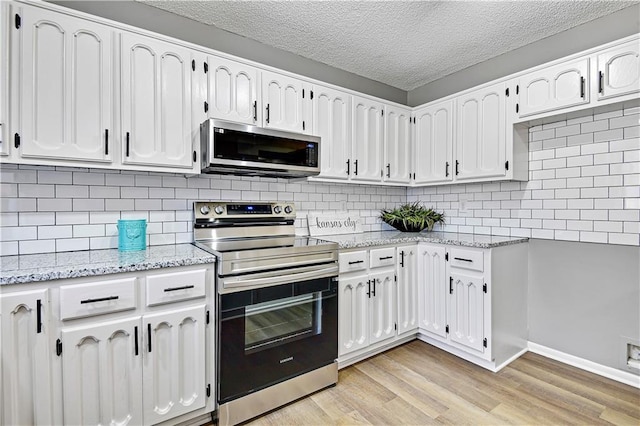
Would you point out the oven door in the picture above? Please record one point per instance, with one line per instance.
(271, 334)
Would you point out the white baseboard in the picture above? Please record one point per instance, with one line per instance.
(584, 364)
(510, 360)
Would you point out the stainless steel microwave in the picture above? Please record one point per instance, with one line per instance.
(240, 149)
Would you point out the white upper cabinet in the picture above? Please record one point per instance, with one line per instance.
(286, 103)
(332, 122)
(368, 136)
(233, 91)
(65, 87)
(480, 139)
(619, 70)
(552, 88)
(4, 85)
(433, 143)
(397, 145)
(156, 103)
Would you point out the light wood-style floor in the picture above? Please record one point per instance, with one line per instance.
(418, 384)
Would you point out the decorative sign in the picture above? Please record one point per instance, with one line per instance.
(333, 224)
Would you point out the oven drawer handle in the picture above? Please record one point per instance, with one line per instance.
(229, 285)
(353, 262)
(186, 287)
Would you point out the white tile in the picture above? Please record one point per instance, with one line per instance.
(37, 246)
(83, 231)
(625, 168)
(118, 204)
(568, 172)
(542, 134)
(568, 130)
(36, 218)
(632, 179)
(593, 237)
(554, 204)
(163, 193)
(625, 239)
(174, 181)
(595, 148)
(175, 227)
(97, 243)
(175, 205)
(567, 214)
(583, 160)
(554, 163)
(609, 203)
(88, 204)
(161, 239)
(27, 190)
(601, 170)
(88, 178)
(18, 233)
(608, 135)
(632, 203)
(72, 191)
(594, 126)
(554, 184)
(105, 191)
(54, 205)
(626, 215)
(565, 235)
(542, 214)
(631, 132)
(624, 144)
(104, 217)
(554, 224)
(148, 181)
(584, 203)
(624, 191)
(567, 193)
(72, 244)
(187, 193)
(632, 227)
(8, 248)
(631, 156)
(8, 190)
(544, 174)
(554, 143)
(54, 232)
(71, 218)
(9, 219)
(120, 180)
(583, 139)
(55, 177)
(148, 204)
(608, 180)
(594, 215)
(626, 121)
(594, 192)
(543, 155)
(581, 182)
(580, 225)
(546, 234)
(607, 226)
(571, 151)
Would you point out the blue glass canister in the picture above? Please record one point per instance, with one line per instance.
(132, 234)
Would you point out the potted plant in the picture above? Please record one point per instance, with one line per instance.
(412, 217)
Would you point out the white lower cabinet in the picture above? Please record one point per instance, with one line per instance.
(466, 313)
(353, 314)
(432, 293)
(406, 271)
(382, 306)
(26, 358)
(102, 373)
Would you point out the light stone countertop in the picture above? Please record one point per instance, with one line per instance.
(30, 268)
(380, 238)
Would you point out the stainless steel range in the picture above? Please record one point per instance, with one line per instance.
(277, 311)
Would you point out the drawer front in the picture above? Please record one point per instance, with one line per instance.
(382, 257)
(466, 259)
(176, 286)
(85, 300)
(352, 261)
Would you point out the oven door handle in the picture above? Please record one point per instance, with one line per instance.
(252, 281)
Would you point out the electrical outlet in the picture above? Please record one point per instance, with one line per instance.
(630, 356)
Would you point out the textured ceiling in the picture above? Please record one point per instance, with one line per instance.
(404, 44)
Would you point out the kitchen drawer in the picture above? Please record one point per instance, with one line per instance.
(85, 300)
(466, 259)
(352, 261)
(382, 257)
(176, 286)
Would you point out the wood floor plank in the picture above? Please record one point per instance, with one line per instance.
(419, 384)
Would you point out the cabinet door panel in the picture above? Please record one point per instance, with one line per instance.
(66, 87)
(434, 144)
(397, 145)
(480, 142)
(382, 313)
(26, 376)
(174, 365)
(285, 107)
(619, 70)
(432, 289)
(156, 103)
(466, 312)
(332, 122)
(353, 314)
(232, 91)
(408, 317)
(101, 373)
(367, 140)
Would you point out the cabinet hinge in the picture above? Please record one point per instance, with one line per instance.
(311, 94)
(506, 92)
(446, 257)
(206, 106)
(206, 67)
(18, 21)
(16, 140)
(395, 278)
(58, 347)
(446, 329)
(303, 125)
(395, 326)
(208, 317)
(484, 288)
(484, 342)
(193, 65)
(506, 165)
(302, 93)
(383, 113)
(195, 157)
(450, 285)
(517, 89)
(517, 108)
(208, 390)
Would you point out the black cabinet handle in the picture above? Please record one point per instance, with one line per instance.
(582, 87)
(457, 165)
(450, 285)
(186, 287)
(135, 338)
(348, 166)
(106, 141)
(353, 262)
(355, 165)
(267, 120)
(402, 259)
(102, 299)
(127, 143)
(149, 337)
(388, 170)
(206, 106)
(463, 259)
(255, 110)
(386, 258)
(39, 316)
(446, 169)
(373, 294)
(369, 288)
(600, 82)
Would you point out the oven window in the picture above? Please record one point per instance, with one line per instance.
(278, 322)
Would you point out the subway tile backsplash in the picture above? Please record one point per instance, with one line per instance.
(584, 185)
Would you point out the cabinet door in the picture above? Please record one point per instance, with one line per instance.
(407, 269)
(285, 105)
(174, 363)
(466, 313)
(480, 140)
(397, 142)
(233, 91)
(4, 87)
(156, 103)
(552, 88)
(432, 285)
(26, 358)
(619, 70)
(368, 133)
(353, 314)
(382, 311)
(433, 144)
(65, 87)
(332, 122)
(102, 373)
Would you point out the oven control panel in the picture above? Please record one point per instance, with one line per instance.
(241, 209)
